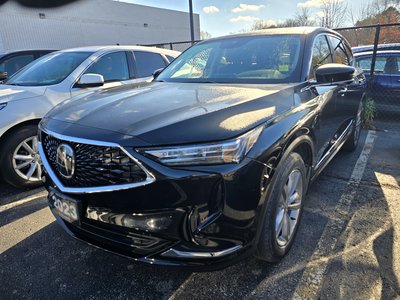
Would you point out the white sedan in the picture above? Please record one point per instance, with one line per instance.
(30, 93)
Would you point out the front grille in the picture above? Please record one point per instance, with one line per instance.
(94, 165)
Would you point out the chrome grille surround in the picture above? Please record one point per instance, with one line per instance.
(102, 166)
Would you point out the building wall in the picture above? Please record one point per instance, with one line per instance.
(91, 22)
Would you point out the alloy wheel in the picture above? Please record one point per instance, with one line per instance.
(289, 207)
(26, 160)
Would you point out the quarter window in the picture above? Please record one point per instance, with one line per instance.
(339, 48)
(321, 54)
(170, 58)
(113, 67)
(147, 63)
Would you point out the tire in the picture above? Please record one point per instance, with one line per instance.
(272, 246)
(352, 141)
(13, 169)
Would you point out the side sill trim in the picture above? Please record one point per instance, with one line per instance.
(193, 255)
(335, 145)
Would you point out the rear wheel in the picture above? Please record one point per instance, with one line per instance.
(284, 209)
(20, 160)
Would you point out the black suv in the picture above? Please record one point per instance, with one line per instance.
(212, 161)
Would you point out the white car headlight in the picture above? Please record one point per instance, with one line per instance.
(232, 151)
(2, 105)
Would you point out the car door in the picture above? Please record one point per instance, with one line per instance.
(392, 70)
(385, 86)
(325, 97)
(115, 69)
(146, 63)
(349, 95)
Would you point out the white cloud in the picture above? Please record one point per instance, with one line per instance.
(314, 3)
(211, 9)
(309, 3)
(247, 19)
(247, 7)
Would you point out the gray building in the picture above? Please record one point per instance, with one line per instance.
(91, 22)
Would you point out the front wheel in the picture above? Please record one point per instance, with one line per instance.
(19, 158)
(283, 211)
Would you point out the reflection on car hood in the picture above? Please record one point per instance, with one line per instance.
(12, 92)
(174, 113)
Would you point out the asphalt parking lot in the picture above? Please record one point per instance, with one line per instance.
(348, 245)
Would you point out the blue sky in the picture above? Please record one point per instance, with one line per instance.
(223, 17)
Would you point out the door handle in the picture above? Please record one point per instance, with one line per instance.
(342, 91)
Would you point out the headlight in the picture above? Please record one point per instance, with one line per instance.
(2, 105)
(232, 151)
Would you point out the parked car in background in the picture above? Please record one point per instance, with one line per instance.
(28, 95)
(366, 48)
(212, 161)
(385, 85)
(13, 61)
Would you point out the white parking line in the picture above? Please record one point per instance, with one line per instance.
(311, 281)
(22, 201)
(17, 231)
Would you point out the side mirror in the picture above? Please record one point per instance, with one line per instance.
(157, 72)
(3, 75)
(331, 73)
(90, 80)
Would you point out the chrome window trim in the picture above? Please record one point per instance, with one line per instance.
(89, 190)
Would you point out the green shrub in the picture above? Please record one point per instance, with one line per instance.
(369, 112)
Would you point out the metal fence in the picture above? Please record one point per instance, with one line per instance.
(177, 46)
(377, 52)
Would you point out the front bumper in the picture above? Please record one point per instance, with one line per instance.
(211, 212)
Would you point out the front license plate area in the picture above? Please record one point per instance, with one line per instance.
(64, 206)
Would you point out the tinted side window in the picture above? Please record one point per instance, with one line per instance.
(321, 54)
(339, 48)
(391, 65)
(113, 67)
(15, 63)
(147, 63)
(383, 64)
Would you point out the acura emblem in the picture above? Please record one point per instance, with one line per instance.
(65, 161)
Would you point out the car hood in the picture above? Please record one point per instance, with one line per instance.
(13, 93)
(175, 113)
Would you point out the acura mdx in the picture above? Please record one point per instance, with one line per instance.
(211, 162)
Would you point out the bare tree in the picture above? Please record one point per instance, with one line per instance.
(204, 35)
(333, 13)
(303, 17)
(262, 24)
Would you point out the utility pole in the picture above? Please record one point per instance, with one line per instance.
(191, 21)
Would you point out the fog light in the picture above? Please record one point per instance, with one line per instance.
(145, 223)
(150, 222)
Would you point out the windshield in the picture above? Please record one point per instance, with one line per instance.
(48, 70)
(254, 59)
